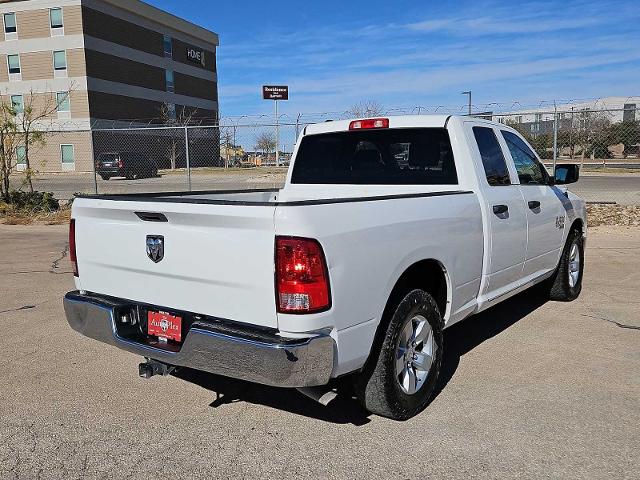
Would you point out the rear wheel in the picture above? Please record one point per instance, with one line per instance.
(566, 282)
(105, 177)
(129, 175)
(399, 382)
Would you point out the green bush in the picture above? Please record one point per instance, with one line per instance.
(36, 202)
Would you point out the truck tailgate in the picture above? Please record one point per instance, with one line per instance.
(218, 259)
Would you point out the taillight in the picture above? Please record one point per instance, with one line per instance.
(369, 124)
(120, 164)
(302, 280)
(72, 247)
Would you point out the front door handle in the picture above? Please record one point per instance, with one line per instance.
(534, 204)
(500, 209)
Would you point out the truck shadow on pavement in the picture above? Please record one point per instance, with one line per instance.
(459, 339)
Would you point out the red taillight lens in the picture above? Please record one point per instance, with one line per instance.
(369, 124)
(120, 164)
(302, 280)
(72, 247)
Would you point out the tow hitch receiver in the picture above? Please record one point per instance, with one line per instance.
(151, 367)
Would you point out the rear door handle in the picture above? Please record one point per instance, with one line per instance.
(500, 209)
(534, 204)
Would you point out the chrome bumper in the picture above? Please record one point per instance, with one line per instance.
(233, 352)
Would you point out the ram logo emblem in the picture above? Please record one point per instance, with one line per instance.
(155, 247)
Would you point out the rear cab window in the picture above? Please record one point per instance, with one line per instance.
(397, 156)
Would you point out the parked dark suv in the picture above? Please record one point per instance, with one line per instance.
(125, 164)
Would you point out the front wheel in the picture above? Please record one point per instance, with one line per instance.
(399, 383)
(566, 283)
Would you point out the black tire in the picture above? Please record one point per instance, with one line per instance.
(105, 177)
(558, 286)
(377, 386)
(129, 175)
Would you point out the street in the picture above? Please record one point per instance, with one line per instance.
(620, 188)
(529, 389)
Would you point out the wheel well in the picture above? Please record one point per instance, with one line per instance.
(578, 225)
(427, 275)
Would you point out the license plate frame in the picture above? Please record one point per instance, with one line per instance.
(164, 326)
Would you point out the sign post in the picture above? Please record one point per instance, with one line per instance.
(276, 92)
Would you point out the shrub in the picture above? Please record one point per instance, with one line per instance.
(35, 202)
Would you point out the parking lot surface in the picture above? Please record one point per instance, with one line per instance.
(529, 389)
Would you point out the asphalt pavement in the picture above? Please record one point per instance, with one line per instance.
(620, 188)
(529, 390)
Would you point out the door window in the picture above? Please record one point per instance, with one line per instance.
(530, 170)
(495, 166)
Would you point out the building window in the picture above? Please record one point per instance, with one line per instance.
(14, 64)
(17, 103)
(67, 154)
(55, 18)
(62, 102)
(170, 83)
(10, 25)
(21, 155)
(168, 46)
(59, 60)
(629, 113)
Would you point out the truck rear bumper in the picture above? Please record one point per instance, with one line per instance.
(237, 352)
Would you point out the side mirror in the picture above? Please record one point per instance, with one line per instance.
(566, 173)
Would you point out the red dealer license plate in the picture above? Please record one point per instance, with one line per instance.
(164, 325)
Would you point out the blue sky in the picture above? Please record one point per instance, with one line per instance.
(403, 54)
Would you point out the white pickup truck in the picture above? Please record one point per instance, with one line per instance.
(387, 231)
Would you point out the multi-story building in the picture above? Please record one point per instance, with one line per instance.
(91, 63)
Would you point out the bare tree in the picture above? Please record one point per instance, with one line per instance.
(366, 108)
(31, 124)
(9, 139)
(226, 139)
(171, 118)
(266, 142)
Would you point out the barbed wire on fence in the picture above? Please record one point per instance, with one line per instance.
(154, 157)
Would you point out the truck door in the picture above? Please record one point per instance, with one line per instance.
(506, 218)
(544, 206)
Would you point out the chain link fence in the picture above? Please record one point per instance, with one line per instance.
(241, 156)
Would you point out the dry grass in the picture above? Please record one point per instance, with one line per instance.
(11, 216)
(613, 215)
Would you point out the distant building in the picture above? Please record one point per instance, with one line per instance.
(539, 121)
(103, 63)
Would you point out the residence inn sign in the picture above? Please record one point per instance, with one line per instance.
(272, 92)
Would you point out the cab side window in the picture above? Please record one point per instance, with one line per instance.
(495, 166)
(530, 170)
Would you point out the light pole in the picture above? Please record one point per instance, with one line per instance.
(469, 94)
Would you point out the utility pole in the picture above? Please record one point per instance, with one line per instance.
(469, 95)
(555, 135)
